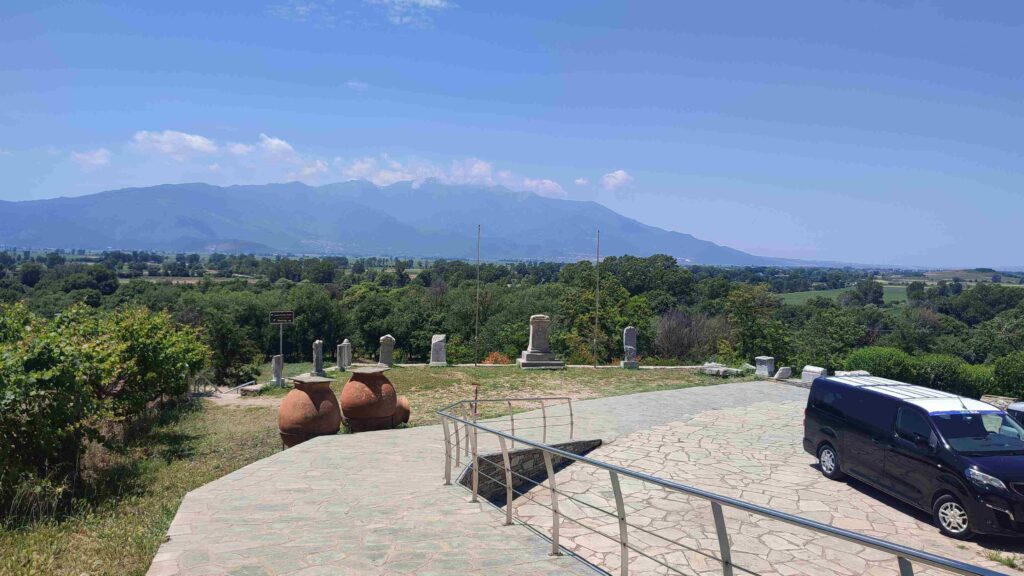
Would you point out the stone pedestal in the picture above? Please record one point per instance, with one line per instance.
(629, 348)
(387, 351)
(438, 353)
(764, 366)
(277, 365)
(538, 353)
(318, 358)
(344, 355)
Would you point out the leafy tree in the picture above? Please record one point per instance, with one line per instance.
(827, 338)
(756, 330)
(1008, 374)
(31, 273)
(865, 292)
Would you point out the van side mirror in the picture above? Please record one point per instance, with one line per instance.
(921, 442)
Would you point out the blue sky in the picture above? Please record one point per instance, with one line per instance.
(879, 132)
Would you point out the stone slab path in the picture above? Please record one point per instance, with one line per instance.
(752, 453)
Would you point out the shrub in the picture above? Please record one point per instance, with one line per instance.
(943, 372)
(980, 376)
(1008, 374)
(497, 358)
(881, 361)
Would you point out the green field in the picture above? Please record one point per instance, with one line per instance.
(892, 295)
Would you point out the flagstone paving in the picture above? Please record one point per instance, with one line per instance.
(752, 453)
(374, 503)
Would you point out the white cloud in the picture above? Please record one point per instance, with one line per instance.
(616, 179)
(92, 158)
(239, 149)
(415, 13)
(215, 167)
(357, 85)
(319, 13)
(275, 146)
(310, 170)
(544, 187)
(581, 181)
(175, 144)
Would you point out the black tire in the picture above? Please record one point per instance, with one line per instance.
(828, 461)
(951, 517)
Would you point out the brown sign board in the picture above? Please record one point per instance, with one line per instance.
(282, 317)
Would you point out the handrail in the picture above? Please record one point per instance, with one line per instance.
(903, 554)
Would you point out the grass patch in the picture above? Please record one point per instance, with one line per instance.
(429, 389)
(1008, 560)
(117, 529)
(890, 294)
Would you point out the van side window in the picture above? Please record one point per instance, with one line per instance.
(910, 425)
(827, 398)
(873, 410)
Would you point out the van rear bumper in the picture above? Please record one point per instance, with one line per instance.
(809, 447)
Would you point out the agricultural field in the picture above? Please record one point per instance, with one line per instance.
(892, 295)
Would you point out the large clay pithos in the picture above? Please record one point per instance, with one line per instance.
(369, 402)
(311, 409)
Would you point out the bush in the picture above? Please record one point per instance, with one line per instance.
(64, 380)
(497, 358)
(1008, 375)
(881, 361)
(943, 372)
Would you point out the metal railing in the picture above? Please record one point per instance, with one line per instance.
(461, 425)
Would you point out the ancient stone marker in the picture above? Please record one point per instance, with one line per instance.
(277, 364)
(784, 373)
(629, 348)
(387, 350)
(852, 373)
(809, 373)
(438, 354)
(538, 352)
(344, 355)
(318, 358)
(765, 366)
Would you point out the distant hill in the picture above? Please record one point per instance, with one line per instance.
(356, 218)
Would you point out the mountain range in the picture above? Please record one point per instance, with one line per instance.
(431, 220)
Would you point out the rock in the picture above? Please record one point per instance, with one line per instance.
(852, 373)
(809, 373)
(387, 351)
(538, 352)
(765, 366)
(629, 348)
(716, 369)
(784, 373)
(747, 367)
(438, 354)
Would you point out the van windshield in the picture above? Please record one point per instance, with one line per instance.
(980, 433)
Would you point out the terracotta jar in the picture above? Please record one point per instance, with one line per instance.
(309, 410)
(368, 400)
(402, 412)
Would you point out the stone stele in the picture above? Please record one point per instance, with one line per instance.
(538, 353)
(387, 351)
(438, 353)
(809, 373)
(629, 348)
(344, 355)
(318, 358)
(277, 363)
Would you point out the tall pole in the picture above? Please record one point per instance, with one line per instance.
(597, 295)
(476, 340)
(280, 340)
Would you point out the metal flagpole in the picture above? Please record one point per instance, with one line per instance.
(476, 340)
(597, 295)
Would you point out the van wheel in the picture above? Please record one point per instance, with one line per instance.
(951, 518)
(828, 461)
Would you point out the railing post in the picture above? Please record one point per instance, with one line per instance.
(508, 481)
(555, 519)
(544, 421)
(466, 427)
(447, 452)
(476, 468)
(458, 447)
(620, 509)
(906, 568)
(512, 420)
(723, 538)
(571, 420)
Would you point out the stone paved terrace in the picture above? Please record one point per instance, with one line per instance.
(374, 503)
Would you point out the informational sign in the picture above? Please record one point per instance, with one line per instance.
(282, 317)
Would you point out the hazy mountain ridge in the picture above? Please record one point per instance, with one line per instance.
(356, 217)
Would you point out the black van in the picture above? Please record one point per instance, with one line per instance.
(958, 458)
